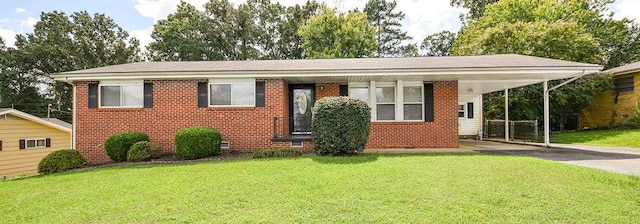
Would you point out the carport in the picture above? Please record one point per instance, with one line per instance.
(521, 71)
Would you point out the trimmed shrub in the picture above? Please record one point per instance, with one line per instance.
(340, 125)
(197, 142)
(276, 152)
(61, 160)
(118, 145)
(144, 151)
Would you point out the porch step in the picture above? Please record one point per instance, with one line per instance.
(292, 138)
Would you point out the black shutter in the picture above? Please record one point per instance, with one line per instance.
(344, 90)
(428, 103)
(93, 95)
(202, 94)
(148, 95)
(260, 97)
(0, 145)
(47, 142)
(469, 110)
(22, 144)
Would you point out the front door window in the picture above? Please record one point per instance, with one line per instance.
(302, 100)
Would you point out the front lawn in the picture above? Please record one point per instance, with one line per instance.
(614, 137)
(425, 188)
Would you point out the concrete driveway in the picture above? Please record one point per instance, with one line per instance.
(620, 160)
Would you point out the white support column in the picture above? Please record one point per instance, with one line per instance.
(545, 89)
(372, 100)
(506, 114)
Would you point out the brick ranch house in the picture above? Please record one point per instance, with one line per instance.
(421, 102)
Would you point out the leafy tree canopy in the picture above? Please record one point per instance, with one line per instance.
(338, 35)
(62, 43)
(438, 44)
(573, 30)
(476, 7)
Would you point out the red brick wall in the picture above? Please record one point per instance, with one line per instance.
(442, 133)
(327, 89)
(175, 106)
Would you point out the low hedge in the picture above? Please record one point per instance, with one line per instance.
(340, 125)
(197, 142)
(118, 145)
(144, 151)
(276, 152)
(61, 160)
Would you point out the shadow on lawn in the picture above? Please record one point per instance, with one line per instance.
(348, 159)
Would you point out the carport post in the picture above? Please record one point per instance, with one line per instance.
(546, 104)
(545, 87)
(506, 114)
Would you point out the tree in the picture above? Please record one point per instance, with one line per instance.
(331, 35)
(181, 37)
(268, 17)
(382, 17)
(18, 89)
(62, 43)
(290, 42)
(476, 7)
(409, 50)
(574, 30)
(219, 29)
(245, 33)
(438, 44)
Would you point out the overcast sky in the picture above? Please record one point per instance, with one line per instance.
(423, 17)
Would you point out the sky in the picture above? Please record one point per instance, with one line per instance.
(423, 17)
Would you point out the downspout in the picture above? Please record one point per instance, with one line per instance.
(74, 116)
(547, 90)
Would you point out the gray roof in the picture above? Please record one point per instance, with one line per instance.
(58, 122)
(4, 109)
(626, 69)
(430, 63)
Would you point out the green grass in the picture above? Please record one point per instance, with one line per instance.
(363, 189)
(613, 137)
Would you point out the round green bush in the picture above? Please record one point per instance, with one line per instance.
(340, 125)
(144, 151)
(197, 142)
(61, 160)
(118, 145)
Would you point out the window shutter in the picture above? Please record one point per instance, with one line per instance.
(428, 103)
(0, 145)
(47, 142)
(22, 144)
(469, 110)
(202, 94)
(344, 90)
(93, 95)
(260, 96)
(148, 95)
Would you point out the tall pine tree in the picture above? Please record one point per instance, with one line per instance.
(386, 21)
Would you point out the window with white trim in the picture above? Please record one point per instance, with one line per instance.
(412, 103)
(359, 92)
(237, 93)
(386, 103)
(35, 143)
(129, 94)
(392, 101)
(462, 110)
